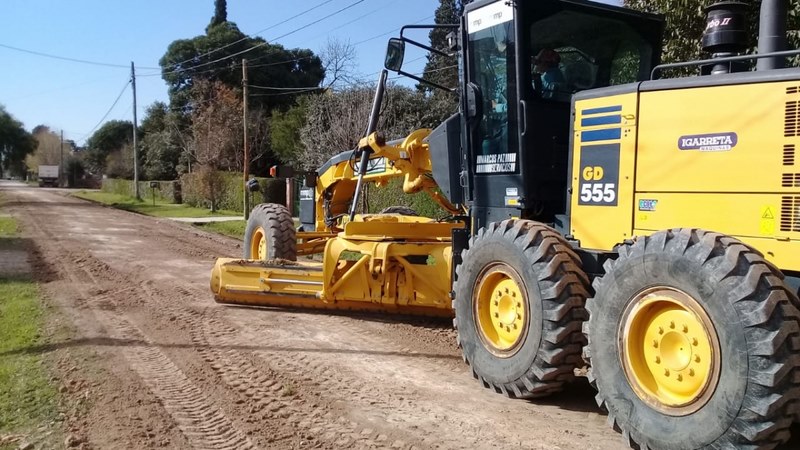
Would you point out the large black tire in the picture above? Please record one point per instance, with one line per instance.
(555, 290)
(402, 210)
(274, 223)
(750, 399)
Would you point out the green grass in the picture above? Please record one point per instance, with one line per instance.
(232, 228)
(145, 206)
(8, 226)
(27, 399)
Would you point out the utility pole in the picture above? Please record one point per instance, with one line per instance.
(135, 149)
(61, 178)
(246, 146)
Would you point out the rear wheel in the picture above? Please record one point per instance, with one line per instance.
(694, 335)
(270, 234)
(519, 305)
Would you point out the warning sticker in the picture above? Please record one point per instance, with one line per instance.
(767, 222)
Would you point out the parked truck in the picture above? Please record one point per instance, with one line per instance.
(48, 175)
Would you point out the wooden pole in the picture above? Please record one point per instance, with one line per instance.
(135, 149)
(246, 146)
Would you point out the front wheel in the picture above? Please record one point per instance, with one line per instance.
(270, 234)
(693, 342)
(519, 305)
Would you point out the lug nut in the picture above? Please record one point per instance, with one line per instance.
(680, 377)
(655, 343)
(660, 330)
(672, 324)
(496, 303)
(685, 329)
(694, 342)
(691, 372)
(666, 372)
(658, 360)
(514, 294)
(496, 315)
(697, 358)
(507, 291)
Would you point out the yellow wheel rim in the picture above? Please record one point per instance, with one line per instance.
(258, 245)
(500, 309)
(669, 350)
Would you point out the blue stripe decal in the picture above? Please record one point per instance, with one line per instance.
(601, 135)
(605, 109)
(601, 120)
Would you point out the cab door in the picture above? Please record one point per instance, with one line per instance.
(492, 109)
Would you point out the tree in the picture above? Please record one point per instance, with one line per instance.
(339, 61)
(161, 143)
(686, 23)
(220, 13)
(443, 70)
(48, 148)
(336, 121)
(286, 128)
(15, 143)
(440, 69)
(209, 58)
(109, 138)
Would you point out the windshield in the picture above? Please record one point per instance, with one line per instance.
(572, 51)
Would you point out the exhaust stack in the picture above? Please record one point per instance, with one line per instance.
(772, 33)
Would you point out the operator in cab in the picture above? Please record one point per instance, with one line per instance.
(548, 80)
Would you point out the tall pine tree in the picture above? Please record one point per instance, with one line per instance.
(440, 69)
(220, 13)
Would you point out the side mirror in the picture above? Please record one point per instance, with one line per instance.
(395, 52)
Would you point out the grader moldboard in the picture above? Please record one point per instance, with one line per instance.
(641, 231)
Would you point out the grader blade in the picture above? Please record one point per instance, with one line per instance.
(290, 284)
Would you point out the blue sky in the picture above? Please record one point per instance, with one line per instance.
(74, 97)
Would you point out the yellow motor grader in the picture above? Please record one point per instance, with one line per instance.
(604, 221)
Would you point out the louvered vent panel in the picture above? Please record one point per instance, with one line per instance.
(792, 124)
(793, 90)
(788, 155)
(790, 214)
(790, 180)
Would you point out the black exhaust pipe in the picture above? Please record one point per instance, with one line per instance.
(772, 33)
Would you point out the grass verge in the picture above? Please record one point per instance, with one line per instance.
(28, 401)
(160, 209)
(231, 228)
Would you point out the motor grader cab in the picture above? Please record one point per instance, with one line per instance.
(641, 232)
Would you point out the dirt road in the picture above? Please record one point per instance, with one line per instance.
(153, 362)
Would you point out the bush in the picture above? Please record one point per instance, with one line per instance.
(167, 191)
(392, 195)
(231, 191)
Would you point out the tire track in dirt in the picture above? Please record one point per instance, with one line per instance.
(278, 390)
(205, 426)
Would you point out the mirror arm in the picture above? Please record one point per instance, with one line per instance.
(426, 47)
(431, 83)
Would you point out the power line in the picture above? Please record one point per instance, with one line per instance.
(65, 58)
(124, 88)
(266, 42)
(256, 33)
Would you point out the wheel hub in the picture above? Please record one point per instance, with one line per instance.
(258, 245)
(669, 350)
(500, 309)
